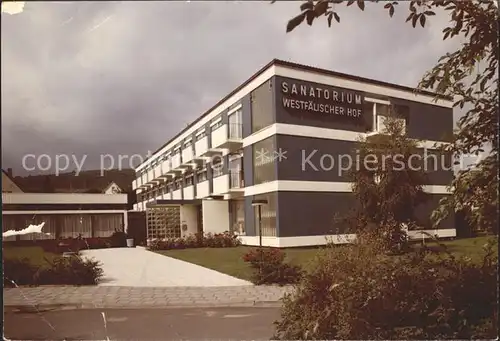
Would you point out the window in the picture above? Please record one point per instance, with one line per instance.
(383, 111)
(262, 107)
(217, 168)
(235, 125)
(268, 215)
(201, 176)
(189, 180)
(236, 171)
(236, 162)
(369, 114)
(187, 144)
(264, 162)
(200, 135)
(216, 125)
(237, 209)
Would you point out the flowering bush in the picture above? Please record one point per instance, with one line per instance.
(264, 255)
(211, 240)
(270, 268)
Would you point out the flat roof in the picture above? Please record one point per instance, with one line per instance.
(304, 68)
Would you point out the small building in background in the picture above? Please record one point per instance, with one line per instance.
(96, 211)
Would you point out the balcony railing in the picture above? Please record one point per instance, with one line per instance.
(235, 131)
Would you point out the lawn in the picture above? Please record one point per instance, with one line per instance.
(229, 260)
(35, 254)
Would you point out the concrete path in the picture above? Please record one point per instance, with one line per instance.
(71, 297)
(143, 324)
(138, 267)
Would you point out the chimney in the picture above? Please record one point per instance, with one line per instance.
(9, 172)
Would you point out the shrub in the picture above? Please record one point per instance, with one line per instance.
(360, 293)
(211, 240)
(270, 268)
(20, 271)
(98, 243)
(118, 239)
(71, 271)
(60, 271)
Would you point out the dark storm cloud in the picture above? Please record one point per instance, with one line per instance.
(121, 78)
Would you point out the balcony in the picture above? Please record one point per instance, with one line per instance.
(228, 136)
(220, 185)
(188, 192)
(157, 174)
(202, 189)
(175, 165)
(150, 177)
(177, 194)
(187, 155)
(176, 160)
(201, 148)
(231, 184)
(165, 169)
(143, 181)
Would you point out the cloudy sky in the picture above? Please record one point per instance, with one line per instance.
(121, 78)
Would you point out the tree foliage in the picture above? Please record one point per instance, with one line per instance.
(470, 76)
(387, 184)
(356, 293)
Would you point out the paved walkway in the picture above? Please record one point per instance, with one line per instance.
(135, 297)
(138, 267)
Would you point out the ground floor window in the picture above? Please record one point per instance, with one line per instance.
(268, 215)
(237, 209)
(65, 225)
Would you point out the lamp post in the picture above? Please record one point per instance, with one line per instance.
(259, 204)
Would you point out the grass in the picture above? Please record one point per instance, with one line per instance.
(471, 247)
(229, 260)
(35, 254)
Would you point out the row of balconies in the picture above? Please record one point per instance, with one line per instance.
(230, 185)
(227, 136)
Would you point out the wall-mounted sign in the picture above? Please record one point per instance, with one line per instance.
(321, 99)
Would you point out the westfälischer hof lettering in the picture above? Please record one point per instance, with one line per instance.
(321, 99)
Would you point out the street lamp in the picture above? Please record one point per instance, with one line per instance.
(259, 203)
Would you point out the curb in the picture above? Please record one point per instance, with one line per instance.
(41, 308)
